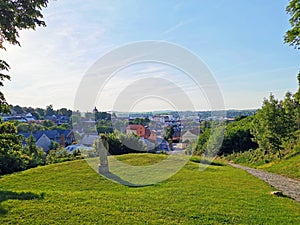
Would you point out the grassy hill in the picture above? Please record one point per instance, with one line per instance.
(289, 167)
(72, 193)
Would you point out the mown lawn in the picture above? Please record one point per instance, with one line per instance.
(73, 193)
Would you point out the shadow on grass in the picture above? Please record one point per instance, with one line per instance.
(119, 180)
(205, 161)
(6, 195)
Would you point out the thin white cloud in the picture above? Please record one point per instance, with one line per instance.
(51, 62)
(177, 26)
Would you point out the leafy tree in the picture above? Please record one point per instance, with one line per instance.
(40, 112)
(18, 109)
(16, 15)
(49, 110)
(102, 115)
(11, 157)
(140, 121)
(54, 145)
(297, 101)
(29, 127)
(274, 123)
(35, 115)
(36, 155)
(58, 155)
(48, 123)
(64, 126)
(104, 126)
(290, 113)
(64, 112)
(215, 141)
(8, 128)
(238, 137)
(292, 36)
(131, 143)
(168, 132)
(202, 141)
(119, 143)
(114, 144)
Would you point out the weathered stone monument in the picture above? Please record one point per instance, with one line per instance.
(102, 148)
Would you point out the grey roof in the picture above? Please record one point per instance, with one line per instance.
(51, 134)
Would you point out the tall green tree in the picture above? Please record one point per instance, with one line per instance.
(297, 101)
(36, 156)
(64, 112)
(15, 15)
(274, 123)
(11, 156)
(292, 36)
(104, 126)
(49, 110)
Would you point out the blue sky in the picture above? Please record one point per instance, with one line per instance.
(240, 41)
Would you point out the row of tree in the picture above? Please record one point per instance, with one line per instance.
(45, 125)
(273, 128)
(16, 156)
(40, 113)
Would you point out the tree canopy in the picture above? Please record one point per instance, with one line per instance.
(292, 36)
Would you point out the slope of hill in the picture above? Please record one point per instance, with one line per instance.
(72, 193)
(289, 167)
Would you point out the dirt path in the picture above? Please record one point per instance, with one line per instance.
(288, 186)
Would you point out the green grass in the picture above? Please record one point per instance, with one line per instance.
(72, 193)
(289, 167)
(140, 159)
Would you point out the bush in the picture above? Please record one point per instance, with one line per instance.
(118, 143)
(62, 155)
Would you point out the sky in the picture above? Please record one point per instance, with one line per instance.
(240, 42)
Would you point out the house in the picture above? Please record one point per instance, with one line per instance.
(29, 117)
(189, 136)
(53, 118)
(14, 118)
(45, 137)
(152, 137)
(89, 139)
(230, 120)
(43, 142)
(163, 146)
(63, 137)
(62, 119)
(136, 129)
